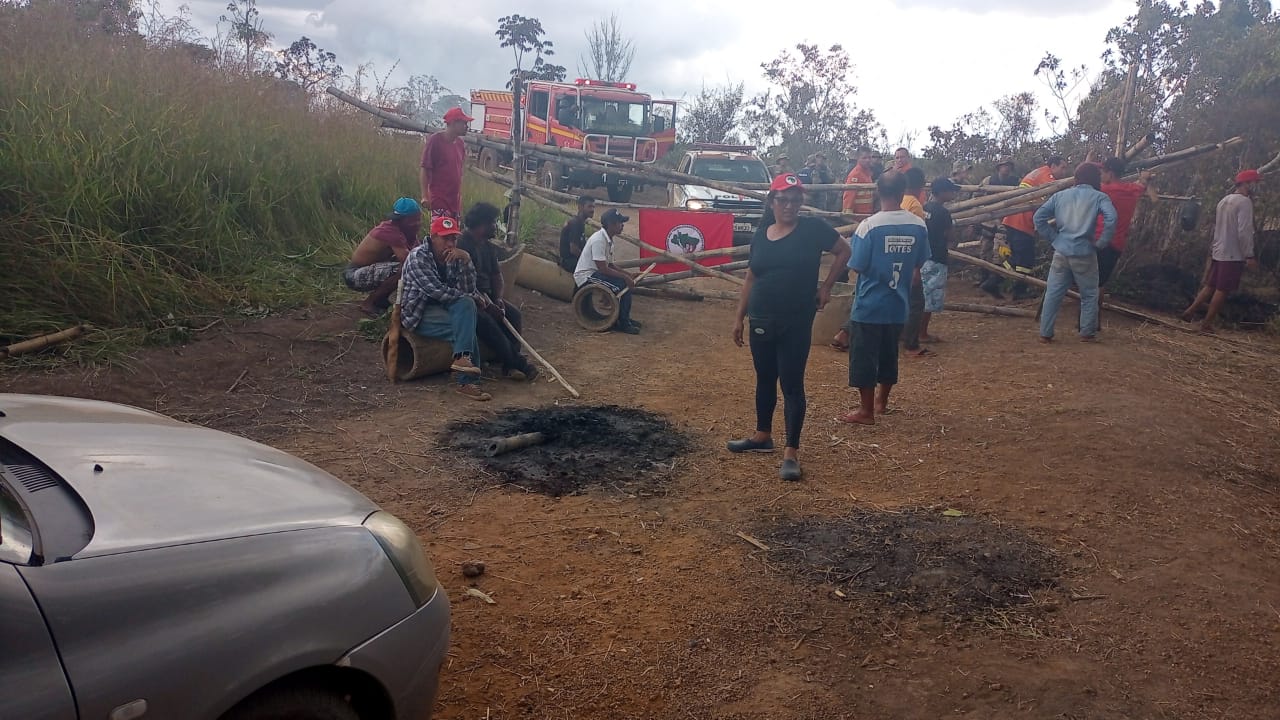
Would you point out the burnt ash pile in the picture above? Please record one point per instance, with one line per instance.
(918, 558)
(584, 447)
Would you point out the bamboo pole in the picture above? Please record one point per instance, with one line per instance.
(529, 349)
(1122, 129)
(686, 274)
(1272, 165)
(1143, 143)
(41, 342)
(989, 309)
(667, 293)
(718, 252)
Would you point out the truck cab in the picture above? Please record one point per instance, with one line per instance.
(734, 164)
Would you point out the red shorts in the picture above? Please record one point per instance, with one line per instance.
(1225, 275)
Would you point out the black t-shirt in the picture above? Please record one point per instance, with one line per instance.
(938, 219)
(484, 256)
(786, 270)
(572, 238)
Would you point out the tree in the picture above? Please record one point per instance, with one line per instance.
(714, 115)
(307, 65)
(809, 105)
(246, 31)
(609, 54)
(169, 31)
(525, 36)
(113, 17)
(1062, 83)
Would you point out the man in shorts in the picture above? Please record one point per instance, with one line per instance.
(1233, 250)
(933, 274)
(375, 263)
(888, 250)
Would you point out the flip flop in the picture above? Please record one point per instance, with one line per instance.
(838, 347)
(921, 353)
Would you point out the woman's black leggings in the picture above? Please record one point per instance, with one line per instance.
(780, 351)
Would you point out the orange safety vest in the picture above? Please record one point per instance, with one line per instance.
(1025, 221)
(859, 202)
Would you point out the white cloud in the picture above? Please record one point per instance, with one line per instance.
(917, 62)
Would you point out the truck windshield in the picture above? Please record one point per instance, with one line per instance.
(15, 529)
(614, 117)
(730, 170)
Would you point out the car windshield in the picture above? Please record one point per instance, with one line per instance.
(614, 118)
(731, 170)
(15, 529)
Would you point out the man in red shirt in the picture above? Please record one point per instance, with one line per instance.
(1125, 197)
(375, 263)
(442, 160)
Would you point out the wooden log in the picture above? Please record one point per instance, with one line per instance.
(990, 309)
(718, 252)
(1185, 154)
(686, 274)
(1143, 143)
(1122, 129)
(541, 360)
(503, 445)
(667, 293)
(41, 342)
(1271, 165)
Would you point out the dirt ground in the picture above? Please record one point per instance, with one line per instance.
(1146, 465)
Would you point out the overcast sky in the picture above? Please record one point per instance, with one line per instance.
(916, 62)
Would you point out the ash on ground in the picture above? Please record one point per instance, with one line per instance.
(585, 447)
(918, 558)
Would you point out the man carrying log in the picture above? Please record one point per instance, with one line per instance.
(442, 158)
(1068, 220)
(437, 301)
(1125, 196)
(375, 263)
(482, 227)
(573, 236)
(1232, 252)
(595, 265)
(1020, 230)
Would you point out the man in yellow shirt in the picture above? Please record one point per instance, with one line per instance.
(915, 299)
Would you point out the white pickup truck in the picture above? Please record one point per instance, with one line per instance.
(734, 164)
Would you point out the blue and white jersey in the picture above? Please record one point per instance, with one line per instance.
(887, 248)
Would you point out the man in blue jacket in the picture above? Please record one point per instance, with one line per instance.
(1068, 220)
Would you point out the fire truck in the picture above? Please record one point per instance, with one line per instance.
(609, 118)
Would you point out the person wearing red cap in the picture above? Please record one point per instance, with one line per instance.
(437, 300)
(778, 303)
(1232, 250)
(442, 159)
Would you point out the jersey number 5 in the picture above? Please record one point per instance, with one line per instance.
(897, 275)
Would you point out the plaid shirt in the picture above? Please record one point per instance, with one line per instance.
(423, 285)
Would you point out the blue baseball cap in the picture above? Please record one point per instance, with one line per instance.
(405, 207)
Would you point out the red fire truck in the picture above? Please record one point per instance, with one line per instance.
(602, 117)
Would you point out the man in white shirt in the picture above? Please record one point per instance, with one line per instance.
(1232, 250)
(595, 265)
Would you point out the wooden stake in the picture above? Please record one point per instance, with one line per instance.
(1122, 130)
(989, 309)
(529, 349)
(41, 342)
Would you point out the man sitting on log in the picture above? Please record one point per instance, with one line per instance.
(482, 227)
(375, 263)
(595, 265)
(437, 300)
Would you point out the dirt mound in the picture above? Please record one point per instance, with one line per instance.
(959, 566)
(584, 447)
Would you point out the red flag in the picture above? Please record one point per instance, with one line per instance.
(681, 232)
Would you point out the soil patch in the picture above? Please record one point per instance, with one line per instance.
(584, 447)
(921, 558)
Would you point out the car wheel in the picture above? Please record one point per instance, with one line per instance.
(549, 176)
(294, 703)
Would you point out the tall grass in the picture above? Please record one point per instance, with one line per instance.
(136, 184)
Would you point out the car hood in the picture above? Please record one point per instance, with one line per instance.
(698, 192)
(152, 481)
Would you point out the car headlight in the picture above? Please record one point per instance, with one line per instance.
(406, 554)
(695, 205)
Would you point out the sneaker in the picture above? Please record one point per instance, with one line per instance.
(462, 364)
(474, 392)
(790, 470)
(530, 371)
(748, 445)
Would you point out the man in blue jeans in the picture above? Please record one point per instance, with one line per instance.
(1068, 220)
(595, 266)
(436, 292)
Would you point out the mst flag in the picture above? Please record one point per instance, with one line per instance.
(681, 232)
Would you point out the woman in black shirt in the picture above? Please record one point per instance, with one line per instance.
(779, 298)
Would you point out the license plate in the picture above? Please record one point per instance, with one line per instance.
(743, 227)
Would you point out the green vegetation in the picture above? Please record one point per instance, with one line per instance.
(141, 190)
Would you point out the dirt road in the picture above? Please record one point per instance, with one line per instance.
(1146, 467)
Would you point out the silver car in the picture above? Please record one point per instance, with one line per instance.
(154, 569)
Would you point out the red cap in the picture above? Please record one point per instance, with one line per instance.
(1248, 176)
(456, 114)
(445, 225)
(786, 181)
